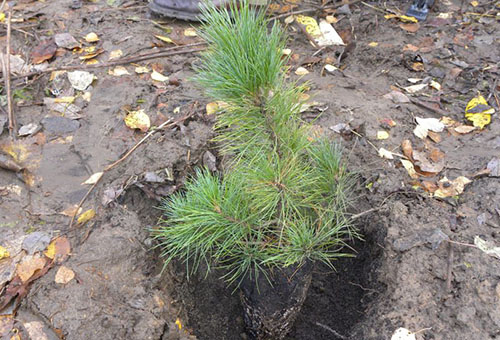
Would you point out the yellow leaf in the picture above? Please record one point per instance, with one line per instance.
(58, 247)
(479, 112)
(91, 37)
(311, 25)
(115, 54)
(474, 3)
(403, 18)
(2, 16)
(65, 100)
(410, 168)
(86, 216)
(190, 32)
(4, 253)
(165, 39)
(138, 120)
(178, 323)
(92, 62)
(382, 134)
(64, 275)
(157, 76)
(373, 44)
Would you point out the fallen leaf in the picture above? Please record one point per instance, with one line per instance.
(115, 54)
(449, 188)
(330, 68)
(44, 51)
(86, 216)
(29, 265)
(36, 241)
(407, 149)
(215, 107)
(487, 247)
(118, 71)
(157, 76)
(329, 35)
(165, 39)
(4, 253)
(435, 85)
(409, 168)
(138, 120)
(403, 18)
(91, 37)
(426, 164)
(301, 71)
(410, 27)
(71, 211)
(420, 131)
(415, 88)
(35, 330)
(80, 80)
(474, 3)
(464, 129)
(141, 69)
(434, 136)
(64, 275)
(403, 334)
(385, 153)
(479, 112)
(66, 40)
(373, 44)
(94, 178)
(493, 167)
(397, 97)
(382, 135)
(178, 323)
(432, 124)
(190, 32)
(59, 249)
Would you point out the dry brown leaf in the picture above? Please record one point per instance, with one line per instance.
(44, 51)
(410, 27)
(29, 266)
(407, 149)
(59, 249)
(449, 188)
(64, 275)
(425, 165)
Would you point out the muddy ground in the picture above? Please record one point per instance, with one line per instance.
(417, 267)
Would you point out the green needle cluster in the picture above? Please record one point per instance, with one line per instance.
(283, 196)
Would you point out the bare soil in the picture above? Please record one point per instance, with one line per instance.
(398, 277)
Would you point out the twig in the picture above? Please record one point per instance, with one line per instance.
(308, 10)
(10, 109)
(429, 107)
(337, 334)
(353, 217)
(165, 124)
(167, 53)
(449, 272)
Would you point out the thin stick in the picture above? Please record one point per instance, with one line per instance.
(449, 271)
(334, 332)
(165, 124)
(354, 217)
(167, 53)
(12, 122)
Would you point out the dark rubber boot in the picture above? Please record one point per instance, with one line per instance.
(180, 9)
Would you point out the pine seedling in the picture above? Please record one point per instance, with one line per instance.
(283, 196)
